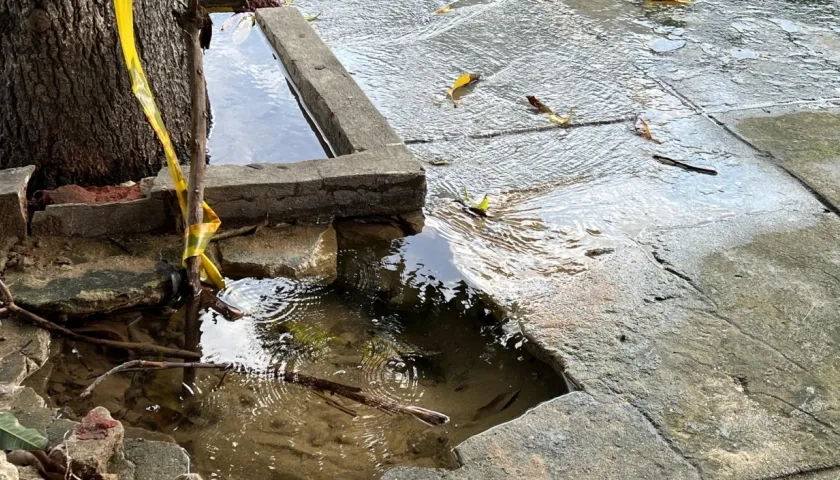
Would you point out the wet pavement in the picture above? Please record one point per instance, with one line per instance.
(697, 313)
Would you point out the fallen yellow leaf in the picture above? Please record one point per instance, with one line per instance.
(561, 119)
(463, 81)
(444, 9)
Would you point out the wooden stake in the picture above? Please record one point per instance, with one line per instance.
(192, 23)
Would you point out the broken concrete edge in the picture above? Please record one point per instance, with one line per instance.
(560, 450)
(349, 120)
(385, 181)
(13, 213)
(146, 215)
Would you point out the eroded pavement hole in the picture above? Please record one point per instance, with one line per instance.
(398, 322)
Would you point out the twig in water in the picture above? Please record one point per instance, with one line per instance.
(141, 348)
(329, 401)
(691, 168)
(252, 229)
(318, 384)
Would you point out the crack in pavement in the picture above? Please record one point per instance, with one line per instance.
(803, 471)
(656, 428)
(521, 131)
(715, 311)
(809, 414)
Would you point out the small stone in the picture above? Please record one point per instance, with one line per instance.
(92, 445)
(300, 252)
(103, 286)
(663, 45)
(7, 470)
(63, 261)
(415, 221)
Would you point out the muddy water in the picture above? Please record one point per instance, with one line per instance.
(256, 117)
(399, 322)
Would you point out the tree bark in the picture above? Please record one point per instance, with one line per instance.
(66, 103)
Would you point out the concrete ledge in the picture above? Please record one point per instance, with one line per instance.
(348, 119)
(146, 215)
(13, 216)
(385, 181)
(373, 174)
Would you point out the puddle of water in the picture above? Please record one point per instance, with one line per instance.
(256, 117)
(400, 323)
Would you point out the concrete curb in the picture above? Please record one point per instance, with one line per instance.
(373, 174)
(348, 118)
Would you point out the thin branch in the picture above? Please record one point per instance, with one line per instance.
(318, 384)
(140, 348)
(239, 231)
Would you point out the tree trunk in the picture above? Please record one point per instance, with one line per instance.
(66, 103)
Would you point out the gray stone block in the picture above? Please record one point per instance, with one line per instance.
(13, 216)
(145, 215)
(350, 122)
(385, 181)
(156, 460)
(294, 252)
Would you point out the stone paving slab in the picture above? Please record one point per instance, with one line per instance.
(574, 436)
(101, 286)
(561, 60)
(804, 142)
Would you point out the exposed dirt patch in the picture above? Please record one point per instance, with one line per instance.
(77, 194)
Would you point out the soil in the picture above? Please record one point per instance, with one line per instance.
(76, 194)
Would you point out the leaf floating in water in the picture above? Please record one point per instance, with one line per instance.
(477, 208)
(444, 9)
(643, 130)
(289, 2)
(552, 117)
(499, 403)
(234, 20)
(14, 436)
(667, 2)
(312, 18)
(243, 29)
(691, 168)
(463, 81)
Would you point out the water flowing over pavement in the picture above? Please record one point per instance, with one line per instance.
(697, 313)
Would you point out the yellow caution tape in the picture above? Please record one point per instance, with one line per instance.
(197, 236)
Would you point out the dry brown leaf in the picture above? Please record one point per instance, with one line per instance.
(536, 103)
(643, 130)
(552, 117)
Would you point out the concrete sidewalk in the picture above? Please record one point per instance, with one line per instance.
(697, 313)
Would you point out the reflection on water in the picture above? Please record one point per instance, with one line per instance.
(256, 118)
(399, 322)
